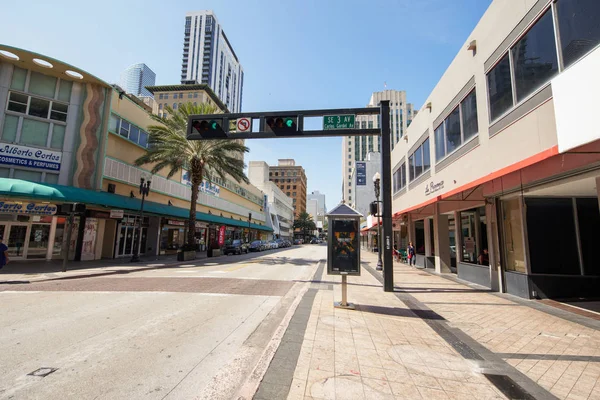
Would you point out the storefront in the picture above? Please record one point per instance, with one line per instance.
(31, 230)
(173, 235)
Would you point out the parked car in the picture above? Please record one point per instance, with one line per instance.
(236, 247)
(298, 241)
(257, 245)
(280, 243)
(288, 243)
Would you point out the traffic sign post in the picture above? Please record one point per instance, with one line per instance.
(288, 124)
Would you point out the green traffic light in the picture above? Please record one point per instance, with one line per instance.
(213, 125)
(289, 123)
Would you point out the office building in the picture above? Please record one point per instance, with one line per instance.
(291, 179)
(499, 179)
(362, 179)
(315, 206)
(135, 79)
(208, 58)
(280, 206)
(356, 148)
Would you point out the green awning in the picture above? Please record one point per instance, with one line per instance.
(68, 194)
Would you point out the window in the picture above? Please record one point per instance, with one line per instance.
(293, 193)
(578, 27)
(195, 95)
(534, 57)
(349, 197)
(399, 178)
(276, 173)
(134, 133)
(160, 106)
(349, 162)
(160, 96)
(288, 186)
(166, 96)
(500, 88)
(270, 174)
(287, 193)
(349, 183)
(419, 161)
(124, 128)
(451, 134)
(294, 187)
(189, 95)
(349, 156)
(349, 169)
(181, 95)
(174, 106)
(37, 107)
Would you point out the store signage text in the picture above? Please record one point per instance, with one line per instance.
(433, 187)
(205, 186)
(222, 235)
(117, 214)
(27, 208)
(31, 157)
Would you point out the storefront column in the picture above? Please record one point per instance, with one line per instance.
(441, 240)
(458, 237)
(51, 237)
(411, 229)
(493, 247)
(598, 190)
(427, 225)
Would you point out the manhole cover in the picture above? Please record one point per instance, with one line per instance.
(42, 372)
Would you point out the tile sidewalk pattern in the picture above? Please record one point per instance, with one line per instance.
(383, 350)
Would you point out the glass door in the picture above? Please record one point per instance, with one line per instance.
(38, 241)
(17, 237)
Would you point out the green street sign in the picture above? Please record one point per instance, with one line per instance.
(332, 122)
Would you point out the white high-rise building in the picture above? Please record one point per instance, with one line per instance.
(208, 58)
(356, 148)
(135, 79)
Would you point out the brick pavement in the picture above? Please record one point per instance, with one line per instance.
(439, 339)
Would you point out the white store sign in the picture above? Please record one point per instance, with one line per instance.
(30, 157)
(9, 207)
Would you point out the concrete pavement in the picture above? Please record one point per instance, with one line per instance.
(194, 331)
(433, 338)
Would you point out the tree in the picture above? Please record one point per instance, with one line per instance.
(305, 223)
(169, 148)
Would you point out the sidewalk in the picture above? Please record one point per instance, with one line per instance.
(433, 339)
(40, 270)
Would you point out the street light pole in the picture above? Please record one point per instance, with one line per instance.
(377, 183)
(144, 190)
(249, 220)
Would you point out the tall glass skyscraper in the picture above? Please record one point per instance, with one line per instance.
(135, 79)
(208, 58)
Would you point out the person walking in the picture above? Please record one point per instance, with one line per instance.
(3, 254)
(410, 252)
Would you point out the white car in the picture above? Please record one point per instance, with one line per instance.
(274, 244)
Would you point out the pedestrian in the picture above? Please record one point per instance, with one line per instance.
(396, 253)
(410, 252)
(484, 258)
(3, 254)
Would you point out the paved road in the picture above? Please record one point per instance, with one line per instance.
(194, 331)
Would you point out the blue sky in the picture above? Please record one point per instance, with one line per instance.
(299, 54)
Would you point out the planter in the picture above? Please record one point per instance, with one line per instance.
(186, 255)
(213, 253)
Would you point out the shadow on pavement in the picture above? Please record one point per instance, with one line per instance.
(338, 283)
(438, 290)
(400, 312)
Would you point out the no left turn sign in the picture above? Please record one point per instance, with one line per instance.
(243, 125)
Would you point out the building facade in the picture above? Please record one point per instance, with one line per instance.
(362, 178)
(356, 148)
(499, 179)
(135, 79)
(280, 206)
(208, 58)
(315, 206)
(291, 179)
(176, 95)
(69, 138)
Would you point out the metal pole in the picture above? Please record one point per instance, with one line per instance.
(386, 191)
(344, 290)
(379, 237)
(68, 246)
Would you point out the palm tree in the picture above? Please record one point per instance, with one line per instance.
(305, 223)
(169, 148)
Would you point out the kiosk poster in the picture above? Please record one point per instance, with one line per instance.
(345, 247)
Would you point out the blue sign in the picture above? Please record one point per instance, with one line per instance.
(31, 157)
(361, 174)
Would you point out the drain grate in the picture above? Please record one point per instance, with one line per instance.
(42, 372)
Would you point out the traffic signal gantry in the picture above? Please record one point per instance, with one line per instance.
(288, 124)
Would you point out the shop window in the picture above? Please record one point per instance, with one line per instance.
(512, 226)
(474, 237)
(41, 84)
(450, 134)
(534, 57)
(588, 218)
(34, 132)
(419, 243)
(552, 254)
(500, 88)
